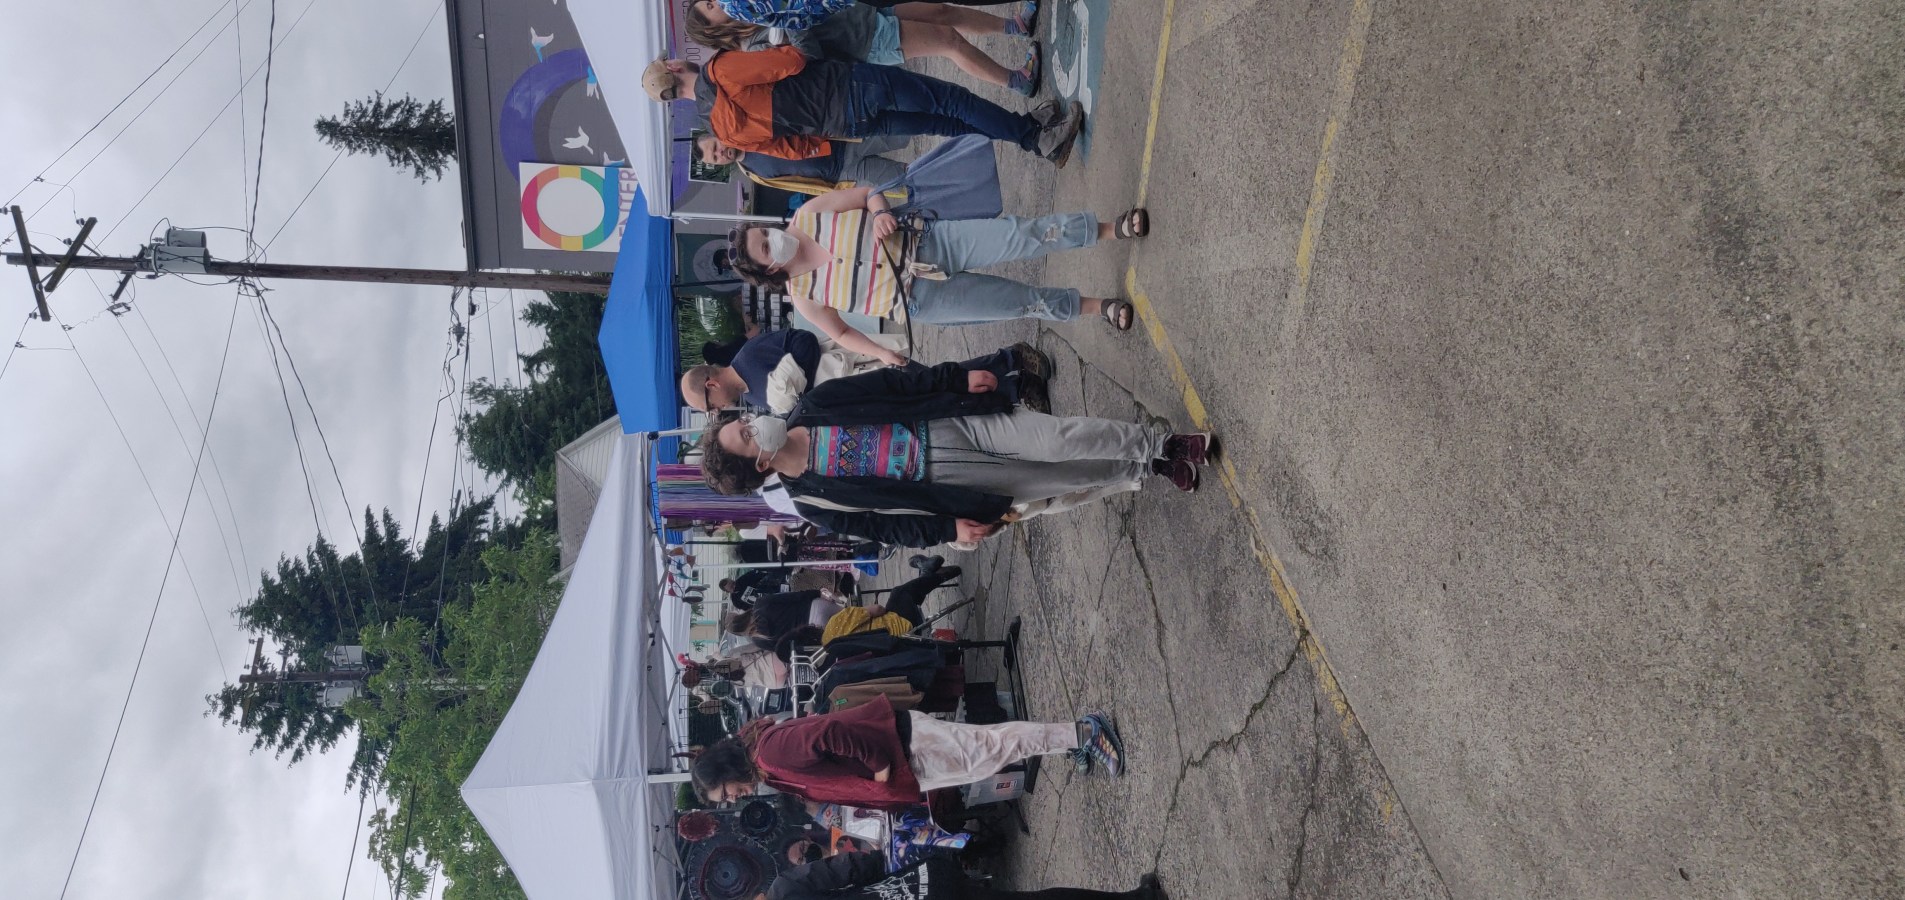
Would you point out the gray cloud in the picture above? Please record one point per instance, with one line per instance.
(187, 809)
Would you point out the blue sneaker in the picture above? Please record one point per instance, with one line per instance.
(1102, 744)
(1081, 761)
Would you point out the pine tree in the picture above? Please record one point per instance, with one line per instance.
(322, 599)
(513, 432)
(408, 133)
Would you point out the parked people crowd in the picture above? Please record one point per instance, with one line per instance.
(834, 424)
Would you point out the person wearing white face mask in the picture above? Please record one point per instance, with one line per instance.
(919, 457)
(846, 251)
(771, 372)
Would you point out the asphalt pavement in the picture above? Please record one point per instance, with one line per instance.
(1558, 352)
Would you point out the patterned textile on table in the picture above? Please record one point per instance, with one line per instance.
(916, 838)
(683, 498)
(876, 451)
(904, 837)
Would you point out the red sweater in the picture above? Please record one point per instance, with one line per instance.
(832, 758)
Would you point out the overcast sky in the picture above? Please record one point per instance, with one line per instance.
(187, 810)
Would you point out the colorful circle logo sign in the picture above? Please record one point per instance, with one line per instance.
(553, 234)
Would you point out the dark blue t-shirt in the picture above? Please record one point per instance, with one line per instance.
(758, 358)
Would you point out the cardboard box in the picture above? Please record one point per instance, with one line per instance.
(1009, 785)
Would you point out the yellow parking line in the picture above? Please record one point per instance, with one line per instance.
(1349, 65)
(1227, 474)
(1157, 97)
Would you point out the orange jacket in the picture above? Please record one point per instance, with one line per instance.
(743, 113)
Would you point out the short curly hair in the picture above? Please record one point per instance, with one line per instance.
(725, 472)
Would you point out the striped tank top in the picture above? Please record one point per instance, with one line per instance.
(862, 277)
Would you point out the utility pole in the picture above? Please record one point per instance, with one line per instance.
(294, 677)
(526, 281)
(60, 264)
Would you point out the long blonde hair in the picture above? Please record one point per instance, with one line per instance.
(729, 35)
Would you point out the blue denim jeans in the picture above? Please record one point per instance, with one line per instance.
(888, 100)
(965, 297)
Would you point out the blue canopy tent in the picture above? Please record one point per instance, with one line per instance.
(638, 325)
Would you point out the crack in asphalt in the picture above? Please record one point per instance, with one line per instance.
(1058, 815)
(1295, 879)
(1144, 409)
(1157, 638)
(1227, 742)
(1305, 644)
(1026, 545)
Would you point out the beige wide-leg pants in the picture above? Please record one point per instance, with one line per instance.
(949, 754)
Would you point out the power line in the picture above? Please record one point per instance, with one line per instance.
(153, 618)
(324, 442)
(340, 154)
(357, 834)
(217, 475)
(514, 338)
(244, 127)
(403, 846)
(264, 121)
(489, 323)
(297, 440)
(449, 351)
(157, 505)
(208, 127)
(139, 115)
(237, 582)
(122, 102)
(30, 316)
(449, 381)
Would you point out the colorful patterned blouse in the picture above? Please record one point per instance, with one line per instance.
(863, 276)
(798, 15)
(877, 451)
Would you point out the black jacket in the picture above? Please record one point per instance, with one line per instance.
(863, 876)
(907, 513)
(760, 581)
(777, 614)
(915, 393)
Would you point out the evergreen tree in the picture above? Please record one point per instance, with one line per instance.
(320, 600)
(407, 133)
(513, 432)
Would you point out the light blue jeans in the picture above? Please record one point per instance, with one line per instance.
(967, 298)
(884, 49)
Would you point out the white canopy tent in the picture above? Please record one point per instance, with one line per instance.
(623, 37)
(567, 788)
